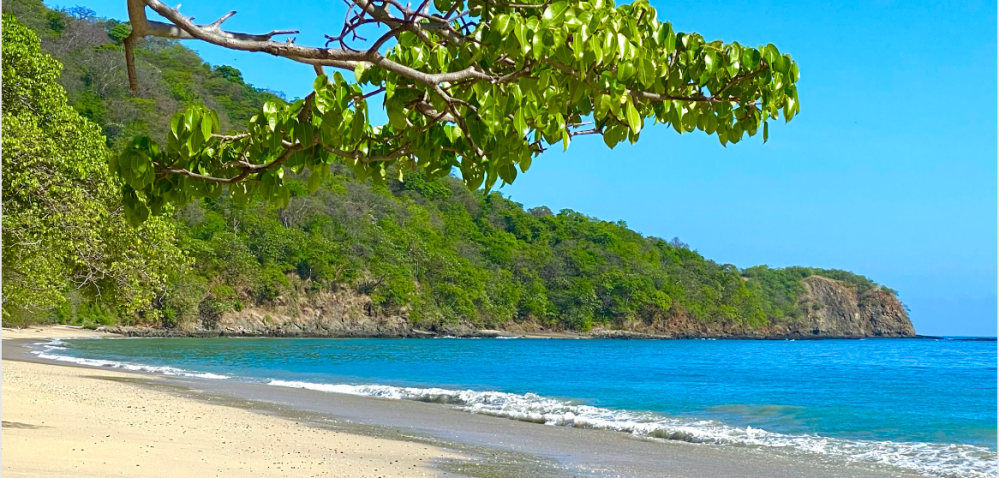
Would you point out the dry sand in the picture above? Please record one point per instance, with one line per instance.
(52, 332)
(64, 421)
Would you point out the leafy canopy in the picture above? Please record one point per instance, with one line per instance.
(484, 90)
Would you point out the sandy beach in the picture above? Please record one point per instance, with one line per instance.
(78, 420)
(70, 421)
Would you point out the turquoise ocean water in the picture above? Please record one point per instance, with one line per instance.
(923, 405)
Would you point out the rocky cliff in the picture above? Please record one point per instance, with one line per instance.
(838, 310)
(832, 309)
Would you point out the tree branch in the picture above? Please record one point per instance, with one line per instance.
(143, 27)
(184, 28)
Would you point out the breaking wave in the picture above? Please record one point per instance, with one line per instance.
(932, 459)
(48, 349)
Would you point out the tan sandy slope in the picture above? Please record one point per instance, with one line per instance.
(61, 421)
(52, 332)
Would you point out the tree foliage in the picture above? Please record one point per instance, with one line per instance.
(63, 227)
(477, 86)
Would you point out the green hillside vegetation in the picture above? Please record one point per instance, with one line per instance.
(172, 76)
(64, 235)
(429, 249)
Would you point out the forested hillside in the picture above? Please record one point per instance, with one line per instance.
(66, 243)
(431, 251)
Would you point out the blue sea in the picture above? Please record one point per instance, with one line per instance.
(922, 405)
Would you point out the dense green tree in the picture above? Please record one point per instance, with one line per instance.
(63, 228)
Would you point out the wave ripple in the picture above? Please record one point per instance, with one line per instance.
(931, 459)
(57, 344)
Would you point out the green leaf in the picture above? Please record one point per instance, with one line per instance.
(283, 197)
(190, 118)
(634, 119)
(519, 122)
(507, 172)
(711, 123)
(676, 118)
(790, 109)
(136, 213)
(609, 139)
(785, 64)
(520, 31)
(690, 119)
(732, 69)
(206, 127)
(314, 182)
(272, 121)
(670, 38)
(320, 83)
(397, 119)
(196, 141)
(646, 72)
(766, 132)
(501, 24)
(554, 15)
(597, 48)
(601, 107)
(303, 133)
(359, 69)
(175, 123)
(452, 133)
(577, 46)
(625, 70)
(271, 107)
(609, 43)
(771, 55)
(614, 135)
(538, 46)
(357, 125)
(525, 163)
(711, 61)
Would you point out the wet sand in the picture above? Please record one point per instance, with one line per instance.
(494, 447)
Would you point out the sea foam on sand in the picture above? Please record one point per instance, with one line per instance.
(932, 459)
(50, 347)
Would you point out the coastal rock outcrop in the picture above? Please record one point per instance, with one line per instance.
(840, 311)
(830, 309)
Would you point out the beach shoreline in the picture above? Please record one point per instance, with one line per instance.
(469, 444)
(470, 333)
(87, 422)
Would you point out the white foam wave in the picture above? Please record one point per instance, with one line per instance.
(133, 367)
(932, 459)
(54, 344)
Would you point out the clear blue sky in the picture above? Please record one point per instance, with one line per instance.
(889, 171)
